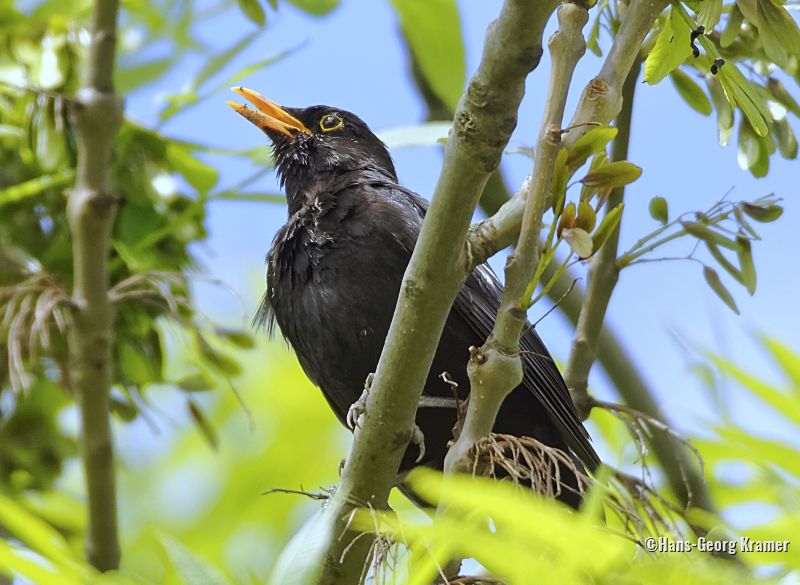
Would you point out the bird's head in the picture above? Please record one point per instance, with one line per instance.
(315, 145)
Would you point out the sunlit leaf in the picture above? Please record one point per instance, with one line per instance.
(606, 228)
(732, 28)
(579, 240)
(724, 109)
(788, 360)
(192, 569)
(433, 31)
(777, 30)
(37, 186)
(752, 153)
(615, 174)
(199, 175)
(203, 424)
(672, 48)
(787, 141)
(710, 11)
(594, 141)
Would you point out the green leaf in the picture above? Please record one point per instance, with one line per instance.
(237, 337)
(710, 11)
(741, 92)
(762, 213)
(217, 360)
(203, 424)
(195, 383)
(192, 569)
(606, 228)
(724, 109)
(300, 561)
(594, 35)
(745, 254)
(586, 218)
(594, 141)
(672, 48)
(712, 278)
(786, 359)
(705, 233)
(129, 78)
(784, 97)
(427, 134)
(752, 155)
(787, 141)
(724, 262)
(612, 175)
(199, 175)
(690, 91)
(36, 534)
(253, 10)
(659, 210)
(220, 60)
(433, 32)
(783, 403)
(777, 30)
(579, 240)
(37, 186)
(315, 7)
(732, 28)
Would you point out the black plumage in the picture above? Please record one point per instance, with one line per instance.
(335, 269)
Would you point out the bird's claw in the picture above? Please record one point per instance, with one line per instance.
(418, 438)
(359, 407)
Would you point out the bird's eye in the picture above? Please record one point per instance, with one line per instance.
(330, 122)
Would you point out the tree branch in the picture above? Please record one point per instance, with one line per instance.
(484, 120)
(496, 368)
(603, 271)
(91, 208)
(600, 102)
(499, 230)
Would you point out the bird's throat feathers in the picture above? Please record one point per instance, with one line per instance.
(308, 166)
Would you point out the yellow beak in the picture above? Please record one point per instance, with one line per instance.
(267, 115)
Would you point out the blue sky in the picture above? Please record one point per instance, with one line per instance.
(354, 59)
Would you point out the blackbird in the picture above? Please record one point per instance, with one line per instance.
(334, 273)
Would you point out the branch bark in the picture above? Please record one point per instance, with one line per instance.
(91, 208)
(485, 118)
(496, 368)
(603, 270)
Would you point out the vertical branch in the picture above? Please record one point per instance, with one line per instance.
(484, 120)
(91, 208)
(496, 368)
(603, 271)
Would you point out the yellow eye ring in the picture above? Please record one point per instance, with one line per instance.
(330, 122)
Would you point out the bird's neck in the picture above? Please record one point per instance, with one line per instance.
(320, 188)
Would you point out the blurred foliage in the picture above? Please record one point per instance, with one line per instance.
(215, 418)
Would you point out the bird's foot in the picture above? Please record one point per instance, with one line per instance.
(418, 438)
(359, 407)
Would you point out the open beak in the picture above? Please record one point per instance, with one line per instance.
(267, 115)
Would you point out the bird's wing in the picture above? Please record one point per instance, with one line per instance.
(477, 303)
